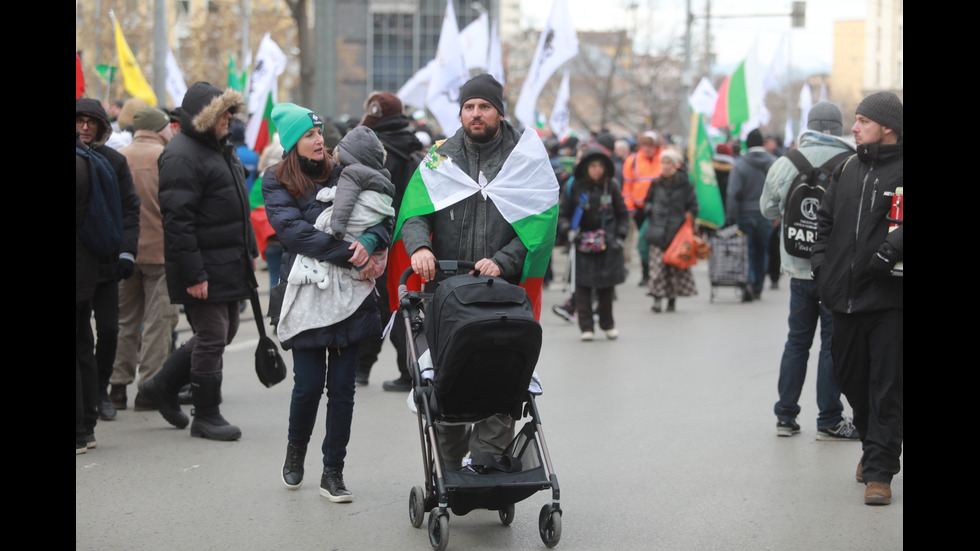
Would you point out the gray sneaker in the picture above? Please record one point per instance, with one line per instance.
(843, 431)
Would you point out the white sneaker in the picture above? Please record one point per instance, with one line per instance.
(587, 335)
(612, 334)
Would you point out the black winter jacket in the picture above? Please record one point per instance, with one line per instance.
(852, 225)
(129, 200)
(206, 228)
(668, 202)
(607, 268)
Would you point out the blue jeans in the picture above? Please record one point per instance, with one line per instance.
(805, 310)
(756, 230)
(312, 372)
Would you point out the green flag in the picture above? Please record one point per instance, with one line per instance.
(107, 72)
(235, 79)
(711, 211)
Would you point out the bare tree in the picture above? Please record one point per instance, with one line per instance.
(304, 40)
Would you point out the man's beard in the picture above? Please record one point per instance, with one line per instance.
(488, 134)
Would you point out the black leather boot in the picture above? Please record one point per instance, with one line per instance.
(208, 421)
(161, 389)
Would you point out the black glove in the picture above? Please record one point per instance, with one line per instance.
(883, 261)
(124, 268)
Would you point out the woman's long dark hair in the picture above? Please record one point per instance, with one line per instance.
(298, 182)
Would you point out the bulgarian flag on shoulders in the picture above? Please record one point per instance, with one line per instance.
(525, 191)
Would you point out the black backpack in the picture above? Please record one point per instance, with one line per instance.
(101, 231)
(803, 198)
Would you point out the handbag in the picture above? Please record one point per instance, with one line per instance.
(591, 242)
(681, 251)
(269, 365)
(594, 241)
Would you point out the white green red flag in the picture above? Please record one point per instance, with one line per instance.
(740, 95)
(525, 192)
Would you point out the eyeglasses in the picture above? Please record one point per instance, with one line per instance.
(80, 122)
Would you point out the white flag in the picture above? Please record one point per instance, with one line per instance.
(413, 92)
(495, 58)
(788, 133)
(560, 114)
(558, 44)
(448, 76)
(270, 62)
(776, 67)
(176, 86)
(704, 98)
(475, 39)
(806, 102)
(823, 92)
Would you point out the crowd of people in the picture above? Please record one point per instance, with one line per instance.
(194, 208)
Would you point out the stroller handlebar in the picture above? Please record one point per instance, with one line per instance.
(444, 269)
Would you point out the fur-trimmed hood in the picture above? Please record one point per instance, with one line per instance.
(204, 103)
(93, 108)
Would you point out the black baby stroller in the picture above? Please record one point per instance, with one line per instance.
(484, 343)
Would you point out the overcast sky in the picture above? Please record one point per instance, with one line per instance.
(659, 21)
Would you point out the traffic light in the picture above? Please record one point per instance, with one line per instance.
(798, 15)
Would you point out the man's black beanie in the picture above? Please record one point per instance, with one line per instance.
(484, 87)
(884, 108)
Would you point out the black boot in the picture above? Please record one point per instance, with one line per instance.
(645, 275)
(292, 469)
(208, 422)
(161, 389)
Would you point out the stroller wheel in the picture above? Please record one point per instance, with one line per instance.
(438, 530)
(549, 524)
(416, 506)
(507, 515)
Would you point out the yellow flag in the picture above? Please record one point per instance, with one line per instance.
(133, 79)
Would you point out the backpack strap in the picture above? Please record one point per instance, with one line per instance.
(799, 160)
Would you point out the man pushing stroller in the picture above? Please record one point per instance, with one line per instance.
(488, 227)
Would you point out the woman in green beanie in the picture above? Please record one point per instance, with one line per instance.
(323, 356)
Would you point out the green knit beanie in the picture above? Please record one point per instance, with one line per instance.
(292, 121)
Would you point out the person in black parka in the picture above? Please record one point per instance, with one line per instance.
(594, 202)
(209, 250)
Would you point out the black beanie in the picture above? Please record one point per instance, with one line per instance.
(484, 87)
(883, 108)
(754, 139)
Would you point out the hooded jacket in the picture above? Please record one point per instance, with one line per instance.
(607, 268)
(851, 226)
(399, 141)
(818, 148)
(127, 193)
(745, 183)
(203, 199)
(363, 158)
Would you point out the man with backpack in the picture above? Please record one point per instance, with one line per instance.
(794, 187)
(92, 124)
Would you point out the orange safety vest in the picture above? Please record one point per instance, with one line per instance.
(638, 172)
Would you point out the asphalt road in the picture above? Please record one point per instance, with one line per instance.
(664, 440)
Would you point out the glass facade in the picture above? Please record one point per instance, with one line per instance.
(404, 36)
